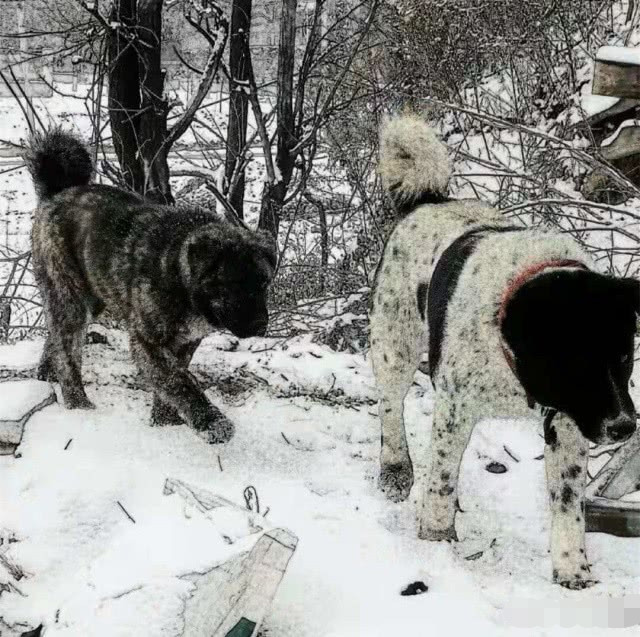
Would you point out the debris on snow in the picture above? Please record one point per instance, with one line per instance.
(97, 335)
(496, 467)
(241, 590)
(415, 588)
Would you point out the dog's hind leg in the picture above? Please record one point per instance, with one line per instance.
(396, 338)
(175, 386)
(451, 429)
(62, 357)
(162, 412)
(566, 455)
(67, 318)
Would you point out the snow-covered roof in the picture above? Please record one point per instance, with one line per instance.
(619, 54)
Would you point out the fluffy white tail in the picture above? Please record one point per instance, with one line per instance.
(414, 164)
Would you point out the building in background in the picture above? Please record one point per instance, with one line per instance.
(53, 20)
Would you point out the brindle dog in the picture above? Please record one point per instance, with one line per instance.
(170, 274)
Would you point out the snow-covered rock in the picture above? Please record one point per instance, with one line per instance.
(19, 400)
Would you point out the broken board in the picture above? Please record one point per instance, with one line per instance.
(232, 599)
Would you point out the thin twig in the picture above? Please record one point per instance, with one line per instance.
(125, 512)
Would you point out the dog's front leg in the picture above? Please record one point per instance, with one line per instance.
(176, 387)
(449, 437)
(163, 413)
(566, 454)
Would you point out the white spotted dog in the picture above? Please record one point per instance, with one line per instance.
(510, 317)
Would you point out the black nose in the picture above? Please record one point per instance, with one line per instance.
(621, 428)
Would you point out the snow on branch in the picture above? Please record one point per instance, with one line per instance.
(617, 177)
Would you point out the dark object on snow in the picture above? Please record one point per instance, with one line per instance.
(244, 628)
(96, 337)
(474, 556)
(415, 588)
(496, 467)
(36, 632)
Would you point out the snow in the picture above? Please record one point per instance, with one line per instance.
(620, 54)
(21, 355)
(308, 440)
(594, 104)
(94, 569)
(19, 397)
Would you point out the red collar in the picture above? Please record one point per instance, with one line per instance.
(514, 285)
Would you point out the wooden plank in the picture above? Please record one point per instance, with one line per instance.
(616, 79)
(614, 517)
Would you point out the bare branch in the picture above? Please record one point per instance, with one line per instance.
(218, 42)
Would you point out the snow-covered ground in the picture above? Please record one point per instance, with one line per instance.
(307, 440)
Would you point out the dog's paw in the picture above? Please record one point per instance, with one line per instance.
(576, 584)
(164, 416)
(396, 480)
(438, 535)
(574, 581)
(217, 429)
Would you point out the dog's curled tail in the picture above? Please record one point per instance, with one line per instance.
(414, 163)
(57, 160)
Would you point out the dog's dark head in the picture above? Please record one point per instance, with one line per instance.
(230, 270)
(571, 333)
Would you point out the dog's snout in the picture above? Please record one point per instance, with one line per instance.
(621, 428)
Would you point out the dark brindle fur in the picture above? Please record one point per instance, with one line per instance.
(171, 275)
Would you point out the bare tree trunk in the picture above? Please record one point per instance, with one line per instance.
(153, 120)
(124, 91)
(274, 193)
(238, 102)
